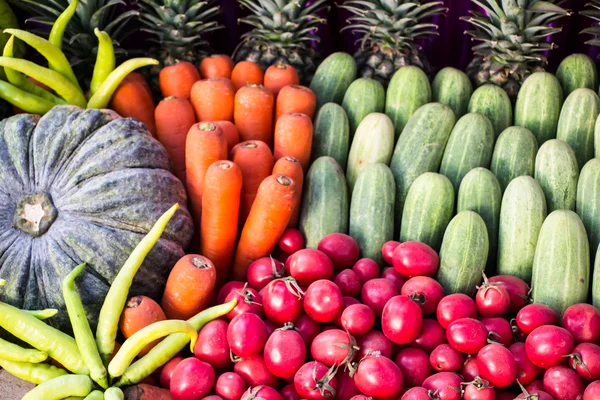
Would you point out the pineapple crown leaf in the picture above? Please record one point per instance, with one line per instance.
(592, 11)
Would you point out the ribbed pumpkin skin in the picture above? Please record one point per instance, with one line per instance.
(514, 155)
(109, 181)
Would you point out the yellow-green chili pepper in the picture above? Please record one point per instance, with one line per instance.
(95, 395)
(105, 60)
(26, 101)
(81, 329)
(118, 292)
(114, 393)
(42, 314)
(61, 387)
(58, 28)
(12, 352)
(170, 346)
(2, 282)
(34, 373)
(103, 94)
(43, 337)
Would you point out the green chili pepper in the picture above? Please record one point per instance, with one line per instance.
(95, 395)
(58, 28)
(118, 292)
(61, 387)
(30, 372)
(114, 393)
(103, 94)
(2, 282)
(81, 329)
(43, 337)
(26, 101)
(42, 314)
(170, 346)
(12, 352)
(105, 60)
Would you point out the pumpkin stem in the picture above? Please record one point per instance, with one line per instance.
(35, 214)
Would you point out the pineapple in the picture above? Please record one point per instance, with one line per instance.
(284, 32)
(593, 11)
(390, 29)
(513, 39)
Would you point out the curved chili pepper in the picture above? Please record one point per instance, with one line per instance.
(26, 101)
(95, 395)
(35, 373)
(60, 25)
(61, 387)
(116, 297)
(42, 314)
(105, 60)
(114, 393)
(12, 352)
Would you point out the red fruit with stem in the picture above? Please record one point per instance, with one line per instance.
(291, 241)
(446, 384)
(323, 301)
(333, 347)
(315, 381)
(375, 293)
(548, 346)
(527, 372)
(309, 265)
(425, 291)
(499, 330)
(517, 289)
(387, 251)
(583, 321)
(391, 274)
(230, 386)
(282, 300)
(585, 360)
(469, 369)
(467, 335)
(254, 371)
(358, 319)
(377, 376)
(248, 301)
(401, 320)
(212, 345)
(492, 300)
(246, 335)
(366, 269)
(535, 315)
(497, 365)
(372, 342)
(479, 389)
(446, 358)
(432, 335)
(285, 352)
(263, 271)
(261, 392)
(562, 383)
(348, 282)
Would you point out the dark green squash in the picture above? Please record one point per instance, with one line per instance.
(83, 186)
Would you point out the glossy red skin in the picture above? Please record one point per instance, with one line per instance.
(212, 345)
(366, 269)
(247, 335)
(471, 392)
(309, 265)
(358, 319)
(230, 386)
(248, 300)
(346, 388)
(192, 379)
(326, 350)
(166, 373)
(548, 345)
(307, 328)
(281, 305)
(583, 321)
(260, 272)
(467, 335)
(285, 353)
(376, 293)
(592, 391)
(289, 392)
(342, 249)
(323, 301)
(538, 384)
(387, 251)
(291, 241)
(348, 301)
(497, 365)
(348, 282)
(212, 397)
(415, 259)
(416, 393)
(499, 330)
(228, 288)
(562, 383)
(455, 306)
(401, 320)
(431, 336)
(447, 383)
(391, 274)
(445, 358)
(262, 392)
(361, 397)
(492, 300)
(414, 364)
(305, 383)
(541, 395)
(426, 291)
(469, 369)
(517, 289)
(372, 342)
(254, 371)
(535, 315)
(377, 376)
(588, 363)
(527, 372)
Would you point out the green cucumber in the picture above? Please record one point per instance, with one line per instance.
(373, 142)
(363, 97)
(514, 155)
(325, 202)
(331, 135)
(596, 281)
(333, 77)
(372, 210)
(408, 90)
(588, 200)
(577, 71)
(557, 173)
(428, 209)
(597, 138)
(522, 213)
(480, 192)
(538, 105)
(463, 254)
(470, 145)
(576, 123)
(453, 88)
(493, 102)
(561, 269)
(420, 149)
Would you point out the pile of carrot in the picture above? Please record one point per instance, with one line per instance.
(240, 140)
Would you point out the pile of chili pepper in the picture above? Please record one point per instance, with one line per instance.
(92, 360)
(59, 77)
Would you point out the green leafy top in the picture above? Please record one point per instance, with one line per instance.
(592, 10)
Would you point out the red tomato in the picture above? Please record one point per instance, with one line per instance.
(246, 335)
(323, 301)
(307, 328)
(425, 291)
(527, 372)
(583, 321)
(492, 300)
(332, 347)
(499, 330)
(414, 364)
(192, 379)
(230, 386)
(548, 345)
(517, 289)
(416, 393)
(342, 249)
(254, 371)
(212, 346)
(346, 388)
(291, 241)
(479, 389)
(375, 293)
(562, 383)
(401, 320)
(358, 319)
(387, 251)
(285, 353)
(315, 381)
(431, 336)
(228, 288)
(377, 376)
(261, 392)
(446, 358)
(534, 316)
(348, 282)
(366, 269)
(447, 385)
(372, 342)
(586, 361)
(166, 373)
(391, 274)
(467, 335)
(263, 271)
(282, 300)
(497, 365)
(469, 369)
(248, 301)
(289, 392)
(592, 392)
(455, 306)
(415, 259)
(309, 265)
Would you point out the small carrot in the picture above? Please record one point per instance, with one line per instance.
(174, 117)
(268, 219)
(256, 162)
(253, 113)
(216, 66)
(213, 99)
(291, 167)
(280, 75)
(138, 77)
(132, 99)
(296, 98)
(188, 288)
(178, 79)
(293, 137)
(231, 133)
(205, 144)
(246, 73)
(220, 211)
(139, 312)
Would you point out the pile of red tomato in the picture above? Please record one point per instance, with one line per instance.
(328, 325)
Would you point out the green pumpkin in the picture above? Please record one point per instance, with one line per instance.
(83, 186)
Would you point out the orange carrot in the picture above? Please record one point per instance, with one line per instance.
(220, 210)
(256, 162)
(296, 98)
(178, 79)
(231, 133)
(280, 75)
(189, 286)
(132, 99)
(138, 77)
(268, 219)
(139, 312)
(246, 73)
(253, 113)
(205, 144)
(213, 99)
(291, 167)
(293, 137)
(216, 66)
(174, 117)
